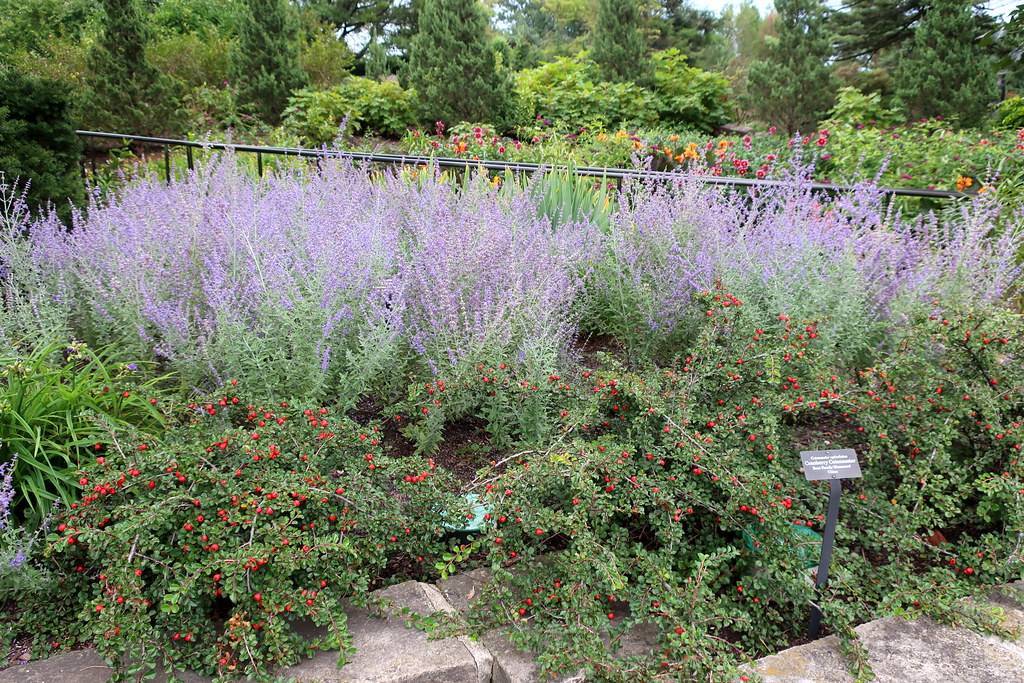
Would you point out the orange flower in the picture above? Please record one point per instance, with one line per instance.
(691, 151)
(963, 182)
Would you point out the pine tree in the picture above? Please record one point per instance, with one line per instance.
(265, 64)
(793, 86)
(943, 70)
(377, 61)
(619, 47)
(38, 144)
(124, 92)
(864, 28)
(453, 66)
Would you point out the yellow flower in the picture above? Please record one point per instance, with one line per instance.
(601, 137)
(691, 151)
(621, 134)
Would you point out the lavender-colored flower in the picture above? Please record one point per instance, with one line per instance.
(7, 490)
(302, 279)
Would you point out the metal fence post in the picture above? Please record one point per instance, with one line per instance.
(167, 163)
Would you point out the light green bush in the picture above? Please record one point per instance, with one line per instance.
(368, 107)
(688, 96)
(570, 94)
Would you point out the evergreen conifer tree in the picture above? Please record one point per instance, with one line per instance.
(619, 46)
(124, 92)
(943, 69)
(453, 66)
(793, 86)
(265, 64)
(38, 144)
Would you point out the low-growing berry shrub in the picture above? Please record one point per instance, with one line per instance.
(203, 552)
(673, 502)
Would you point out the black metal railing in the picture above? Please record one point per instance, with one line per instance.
(616, 174)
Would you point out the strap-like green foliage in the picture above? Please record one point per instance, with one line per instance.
(58, 404)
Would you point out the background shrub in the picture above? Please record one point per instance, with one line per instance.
(194, 60)
(569, 93)
(854, 108)
(1010, 113)
(326, 60)
(265, 63)
(366, 106)
(38, 144)
(687, 96)
(454, 67)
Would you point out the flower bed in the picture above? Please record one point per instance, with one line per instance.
(625, 383)
(925, 154)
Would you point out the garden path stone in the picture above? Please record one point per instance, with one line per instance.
(81, 666)
(917, 651)
(389, 650)
(512, 665)
(78, 666)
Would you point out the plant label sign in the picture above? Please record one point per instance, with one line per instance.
(832, 466)
(827, 465)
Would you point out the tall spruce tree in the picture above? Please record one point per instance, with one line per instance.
(453, 66)
(265, 63)
(619, 46)
(793, 86)
(124, 92)
(863, 28)
(944, 70)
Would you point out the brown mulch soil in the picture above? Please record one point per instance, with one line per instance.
(466, 448)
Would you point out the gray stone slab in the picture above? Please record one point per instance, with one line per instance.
(817, 662)
(81, 666)
(918, 651)
(78, 666)
(461, 589)
(388, 650)
(922, 650)
(512, 665)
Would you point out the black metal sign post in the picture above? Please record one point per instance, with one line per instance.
(832, 466)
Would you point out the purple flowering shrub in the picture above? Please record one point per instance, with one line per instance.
(851, 263)
(338, 283)
(321, 284)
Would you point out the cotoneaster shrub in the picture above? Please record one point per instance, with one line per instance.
(203, 551)
(672, 500)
